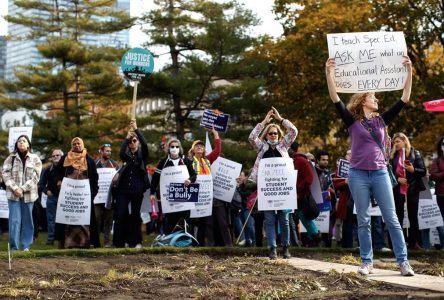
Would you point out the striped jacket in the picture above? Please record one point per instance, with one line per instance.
(262, 146)
(15, 177)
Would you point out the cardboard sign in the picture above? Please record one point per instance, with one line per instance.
(343, 168)
(74, 203)
(368, 61)
(276, 186)
(176, 174)
(204, 207)
(218, 120)
(224, 174)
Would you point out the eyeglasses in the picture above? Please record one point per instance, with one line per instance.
(172, 147)
(134, 141)
(272, 133)
(56, 155)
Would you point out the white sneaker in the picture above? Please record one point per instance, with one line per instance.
(242, 243)
(26, 249)
(385, 249)
(406, 269)
(365, 269)
(138, 246)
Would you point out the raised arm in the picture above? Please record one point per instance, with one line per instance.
(329, 70)
(408, 81)
(254, 139)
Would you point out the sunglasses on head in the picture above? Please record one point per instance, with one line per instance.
(133, 141)
(272, 133)
(106, 145)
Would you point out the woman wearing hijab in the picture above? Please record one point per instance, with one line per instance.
(132, 184)
(21, 173)
(77, 164)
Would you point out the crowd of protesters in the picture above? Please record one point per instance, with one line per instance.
(240, 222)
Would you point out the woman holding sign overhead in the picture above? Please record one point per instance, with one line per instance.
(368, 166)
(269, 141)
(78, 165)
(21, 173)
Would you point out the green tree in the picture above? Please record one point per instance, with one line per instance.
(206, 43)
(77, 84)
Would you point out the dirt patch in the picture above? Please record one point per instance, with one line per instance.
(183, 276)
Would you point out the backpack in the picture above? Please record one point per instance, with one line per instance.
(309, 208)
(179, 238)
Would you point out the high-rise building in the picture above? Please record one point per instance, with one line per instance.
(24, 52)
(2, 57)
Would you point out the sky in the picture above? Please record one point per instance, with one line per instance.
(262, 8)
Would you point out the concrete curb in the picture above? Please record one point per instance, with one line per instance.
(432, 283)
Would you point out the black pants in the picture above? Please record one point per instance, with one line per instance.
(127, 226)
(173, 219)
(259, 228)
(218, 225)
(412, 209)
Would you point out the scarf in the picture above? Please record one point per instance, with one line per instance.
(77, 160)
(400, 171)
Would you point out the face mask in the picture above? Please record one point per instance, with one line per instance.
(272, 143)
(174, 151)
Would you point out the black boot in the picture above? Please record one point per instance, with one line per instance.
(272, 253)
(286, 253)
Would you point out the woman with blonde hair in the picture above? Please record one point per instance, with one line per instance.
(409, 169)
(269, 141)
(368, 173)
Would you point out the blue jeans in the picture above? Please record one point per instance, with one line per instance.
(249, 232)
(362, 183)
(425, 234)
(51, 209)
(270, 227)
(21, 227)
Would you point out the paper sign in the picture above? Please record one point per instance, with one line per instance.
(178, 192)
(343, 168)
(204, 207)
(4, 208)
(429, 215)
(105, 177)
(176, 174)
(214, 119)
(224, 174)
(15, 132)
(368, 61)
(276, 184)
(74, 203)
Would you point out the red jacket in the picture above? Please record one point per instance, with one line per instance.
(344, 194)
(305, 176)
(437, 175)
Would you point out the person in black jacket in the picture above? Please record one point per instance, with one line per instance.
(409, 169)
(174, 158)
(133, 182)
(77, 164)
(48, 186)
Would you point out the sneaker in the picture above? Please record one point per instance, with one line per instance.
(138, 246)
(406, 269)
(242, 243)
(365, 269)
(286, 253)
(385, 249)
(26, 249)
(272, 253)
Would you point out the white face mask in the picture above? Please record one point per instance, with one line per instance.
(174, 151)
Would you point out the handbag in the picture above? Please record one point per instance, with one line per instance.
(391, 175)
(310, 208)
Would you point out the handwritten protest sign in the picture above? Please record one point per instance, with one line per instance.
(204, 207)
(429, 215)
(105, 177)
(176, 174)
(215, 119)
(74, 203)
(4, 208)
(276, 184)
(368, 61)
(224, 173)
(343, 168)
(15, 132)
(322, 222)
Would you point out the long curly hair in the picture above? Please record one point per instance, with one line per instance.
(356, 103)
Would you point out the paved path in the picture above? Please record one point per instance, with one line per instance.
(432, 283)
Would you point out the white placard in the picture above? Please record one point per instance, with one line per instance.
(224, 173)
(74, 203)
(204, 207)
(368, 61)
(375, 211)
(4, 208)
(322, 222)
(176, 174)
(15, 132)
(429, 215)
(105, 177)
(406, 220)
(276, 184)
(44, 200)
(434, 237)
